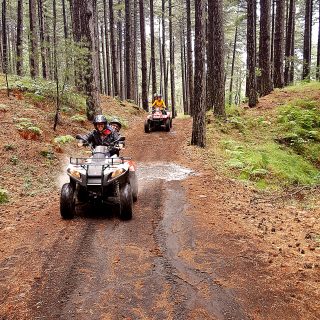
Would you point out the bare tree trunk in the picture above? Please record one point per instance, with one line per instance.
(189, 59)
(272, 38)
(56, 78)
(34, 68)
(233, 62)
(172, 62)
(289, 43)
(113, 51)
(318, 50)
(129, 84)
(153, 61)
(307, 41)
(164, 56)
(19, 47)
(4, 43)
(107, 54)
(120, 54)
(42, 46)
(144, 71)
(199, 125)
(265, 82)
(183, 70)
(251, 55)
(278, 78)
(218, 60)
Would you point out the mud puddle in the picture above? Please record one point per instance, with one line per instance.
(164, 171)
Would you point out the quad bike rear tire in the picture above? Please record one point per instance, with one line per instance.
(134, 185)
(147, 128)
(126, 202)
(67, 201)
(167, 125)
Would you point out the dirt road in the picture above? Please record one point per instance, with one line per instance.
(184, 255)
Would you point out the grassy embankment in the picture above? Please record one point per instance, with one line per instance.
(273, 146)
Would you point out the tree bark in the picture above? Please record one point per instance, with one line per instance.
(218, 96)
(153, 60)
(289, 50)
(107, 53)
(128, 51)
(144, 71)
(113, 51)
(307, 41)
(19, 44)
(278, 75)
(265, 81)
(189, 60)
(42, 45)
(318, 50)
(251, 55)
(164, 56)
(172, 61)
(233, 61)
(34, 67)
(199, 110)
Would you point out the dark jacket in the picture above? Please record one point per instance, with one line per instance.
(97, 139)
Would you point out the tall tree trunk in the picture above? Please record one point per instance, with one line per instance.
(278, 78)
(272, 37)
(56, 78)
(318, 50)
(289, 43)
(183, 69)
(106, 41)
(210, 68)
(34, 68)
(113, 51)
(65, 22)
(164, 56)
(4, 42)
(172, 61)
(199, 110)
(153, 60)
(251, 55)
(120, 55)
(103, 53)
(307, 41)
(218, 59)
(128, 51)
(144, 71)
(19, 47)
(135, 52)
(233, 61)
(42, 45)
(189, 60)
(265, 81)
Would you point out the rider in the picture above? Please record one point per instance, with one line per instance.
(102, 135)
(116, 125)
(159, 103)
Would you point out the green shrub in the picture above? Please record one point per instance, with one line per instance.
(63, 139)
(26, 125)
(4, 197)
(9, 147)
(14, 160)
(78, 118)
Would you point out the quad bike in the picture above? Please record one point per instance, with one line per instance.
(158, 120)
(99, 178)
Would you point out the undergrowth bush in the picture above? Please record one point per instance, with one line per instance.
(27, 129)
(63, 139)
(4, 197)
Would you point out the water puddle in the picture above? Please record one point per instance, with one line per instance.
(164, 171)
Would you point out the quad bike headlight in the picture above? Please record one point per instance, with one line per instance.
(75, 174)
(117, 173)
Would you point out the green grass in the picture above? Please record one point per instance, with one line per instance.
(274, 149)
(4, 197)
(63, 139)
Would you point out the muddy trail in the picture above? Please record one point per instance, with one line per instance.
(180, 257)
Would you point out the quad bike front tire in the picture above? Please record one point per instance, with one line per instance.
(126, 203)
(147, 128)
(134, 185)
(167, 125)
(82, 194)
(67, 201)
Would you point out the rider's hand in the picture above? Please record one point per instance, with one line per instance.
(80, 144)
(121, 146)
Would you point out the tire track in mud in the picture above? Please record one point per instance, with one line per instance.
(61, 273)
(192, 290)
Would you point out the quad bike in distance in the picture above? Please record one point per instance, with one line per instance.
(158, 120)
(99, 178)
